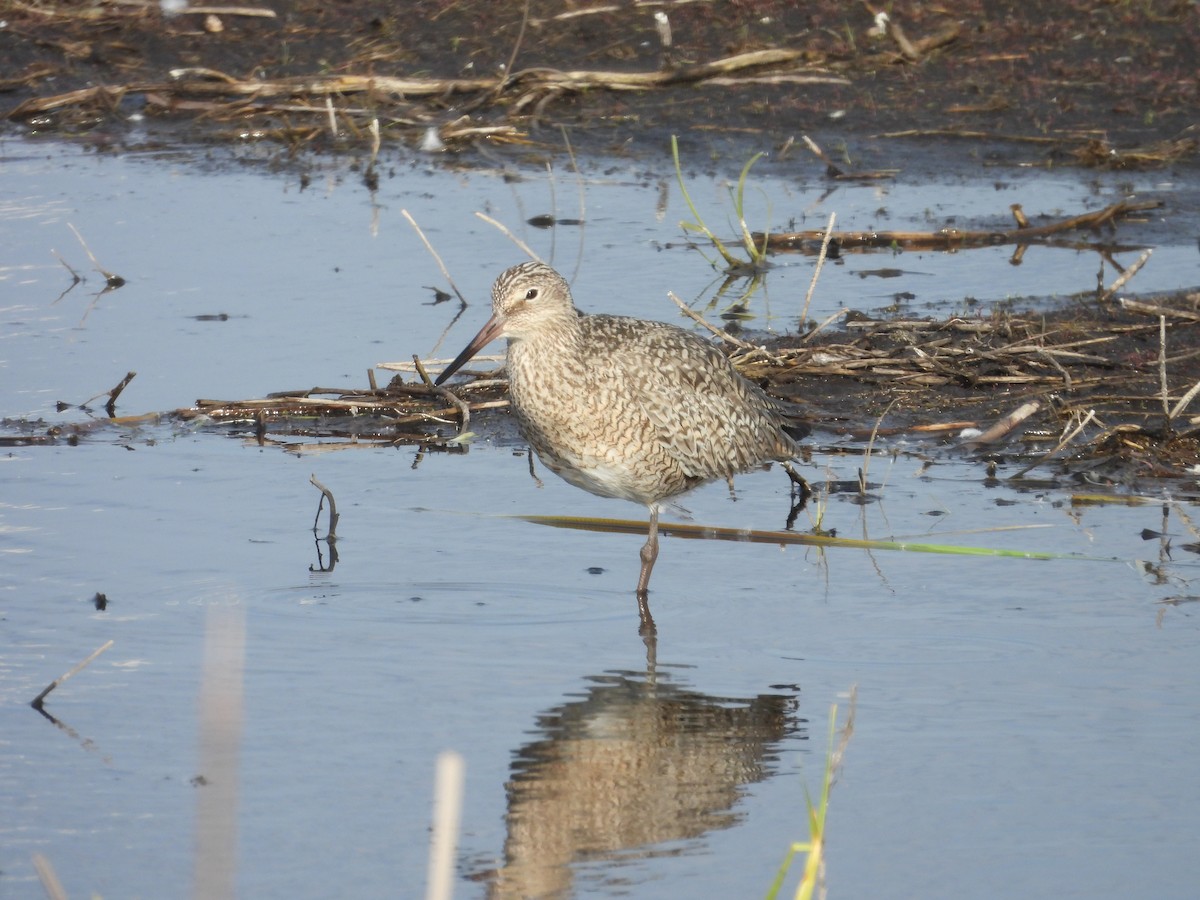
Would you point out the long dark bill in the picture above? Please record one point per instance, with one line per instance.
(488, 333)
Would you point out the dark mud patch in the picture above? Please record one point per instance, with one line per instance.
(1085, 83)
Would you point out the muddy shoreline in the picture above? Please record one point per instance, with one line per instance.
(1077, 83)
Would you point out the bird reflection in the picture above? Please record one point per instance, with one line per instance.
(636, 762)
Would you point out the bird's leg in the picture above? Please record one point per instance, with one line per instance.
(800, 494)
(799, 485)
(532, 471)
(649, 553)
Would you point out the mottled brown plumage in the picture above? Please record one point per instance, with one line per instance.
(623, 407)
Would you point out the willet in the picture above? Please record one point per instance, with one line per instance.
(624, 407)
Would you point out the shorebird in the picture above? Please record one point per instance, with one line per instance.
(625, 407)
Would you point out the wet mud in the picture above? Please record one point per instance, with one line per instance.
(1089, 83)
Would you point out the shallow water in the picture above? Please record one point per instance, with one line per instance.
(1022, 727)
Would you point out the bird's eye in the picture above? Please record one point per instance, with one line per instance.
(531, 294)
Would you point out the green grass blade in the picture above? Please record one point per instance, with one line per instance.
(730, 260)
(777, 884)
(711, 532)
(739, 206)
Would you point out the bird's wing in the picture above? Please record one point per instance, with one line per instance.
(710, 419)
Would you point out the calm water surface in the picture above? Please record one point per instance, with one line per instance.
(1023, 728)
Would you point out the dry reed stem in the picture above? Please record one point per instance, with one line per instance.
(833, 170)
(826, 322)
(532, 82)
(821, 255)
(503, 229)
(1124, 278)
(579, 181)
(39, 700)
(907, 50)
(111, 280)
(436, 257)
(699, 319)
(1184, 401)
(246, 11)
(863, 472)
(1090, 417)
(1150, 309)
(1007, 424)
(1162, 370)
(49, 878)
(502, 83)
(959, 239)
(1090, 152)
(464, 410)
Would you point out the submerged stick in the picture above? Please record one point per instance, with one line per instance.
(111, 406)
(37, 701)
(376, 140)
(326, 494)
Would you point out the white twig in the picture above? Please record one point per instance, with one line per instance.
(37, 701)
(723, 335)
(512, 237)
(437, 259)
(820, 262)
(447, 814)
(1129, 272)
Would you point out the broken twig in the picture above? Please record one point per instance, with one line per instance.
(326, 494)
(38, 701)
(464, 410)
(1130, 271)
(1007, 424)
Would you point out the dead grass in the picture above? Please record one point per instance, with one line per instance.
(1092, 373)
